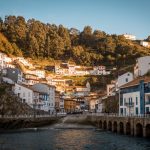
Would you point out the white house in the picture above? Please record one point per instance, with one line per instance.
(130, 36)
(142, 66)
(123, 79)
(24, 62)
(81, 91)
(145, 44)
(25, 93)
(134, 97)
(71, 68)
(39, 73)
(111, 89)
(100, 70)
(131, 102)
(5, 61)
(47, 94)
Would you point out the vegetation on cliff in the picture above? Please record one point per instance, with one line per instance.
(38, 40)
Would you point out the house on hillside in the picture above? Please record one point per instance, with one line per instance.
(48, 95)
(5, 61)
(142, 66)
(24, 61)
(30, 79)
(39, 73)
(135, 97)
(100, 70)
(81, 91)
(130, 37)
(123, 79)
(13, 74)
(62, 69)
(27, 95)
(145, 44)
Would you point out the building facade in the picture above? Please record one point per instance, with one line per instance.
(124, 79)
(47, 94)
(135, 97)
(142, 66)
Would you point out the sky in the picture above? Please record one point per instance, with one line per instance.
(111, 16)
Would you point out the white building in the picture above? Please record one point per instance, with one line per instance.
(24, 62)
(47, 95)
(71, 68)
(130, 36)
(123, 79)
(26, 94)
(145, 44)
(131, 103)
(142, 66)
(39, 73)
(111, 89)
(5, 61)
(100, 70)
(134, 97)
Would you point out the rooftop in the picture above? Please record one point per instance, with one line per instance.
(136, 81)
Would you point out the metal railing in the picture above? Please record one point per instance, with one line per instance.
(120, 115)
(30, 116)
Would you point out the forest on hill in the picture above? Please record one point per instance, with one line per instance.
(38, 40)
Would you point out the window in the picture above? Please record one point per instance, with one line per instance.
(126, 79)
(136, 109)
(125, 111)
(136, 100)
(121, 110)
(121, 102)
(23, 94)
(147, 110)
(124, 100)
(29, 94)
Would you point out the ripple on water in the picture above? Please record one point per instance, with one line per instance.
(70, 139)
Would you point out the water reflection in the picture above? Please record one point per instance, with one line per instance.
(70, 139)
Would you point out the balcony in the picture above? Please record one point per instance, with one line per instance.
(147, 102)
(129, 104)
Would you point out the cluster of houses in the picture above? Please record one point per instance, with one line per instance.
(133, 90)
(143, 43)
(49, 93)
(71, 69)
(52, 93)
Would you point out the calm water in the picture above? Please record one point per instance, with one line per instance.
(70, 137)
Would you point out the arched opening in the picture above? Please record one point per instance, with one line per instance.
(100, 124)
(110, 126)
(115, 126)
(128, 128)
(139, 130)
(121, 127)
(105, 125)
(147, 130)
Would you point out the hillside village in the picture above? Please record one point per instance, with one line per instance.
(51, 92)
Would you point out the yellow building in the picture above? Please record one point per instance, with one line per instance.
(69, 105)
